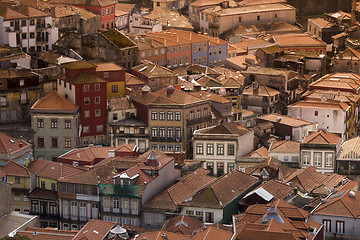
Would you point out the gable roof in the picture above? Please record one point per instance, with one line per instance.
(108, 67)
(182, 224)
(225, 129)
(152, 70)
(322, 137)
(286, 120)
(10, 145)
(94, 230)
(277, 189)
(178, 193)
(53, 101)
(9, 14)
(160, 235)
(341, 204)
(212, 96)
(284, 146)
(52, 170)
(223, 190)
(15, 169)
(212, 233)
(350, 149)
(261, 152)
(261, 90)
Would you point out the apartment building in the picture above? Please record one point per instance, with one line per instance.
(26, 27)
(80, 85)
(55, 121)
(172, 116)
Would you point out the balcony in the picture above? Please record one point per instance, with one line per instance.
(198, 120)
(166, 139)
(45, 215)
(38, 25)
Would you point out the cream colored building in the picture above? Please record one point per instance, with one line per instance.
(220, 146)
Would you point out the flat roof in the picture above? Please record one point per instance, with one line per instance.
(13, 221)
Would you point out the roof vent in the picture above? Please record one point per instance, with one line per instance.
(75, 163)
(170, 90)
(163, 235)
(151, 160)
(278, 119)
(351, 193)
(12, 141)
(145, 89)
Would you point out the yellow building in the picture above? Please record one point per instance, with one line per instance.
(19, 177)
(43, 196)
(115, 77)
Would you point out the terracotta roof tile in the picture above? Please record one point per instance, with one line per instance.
(159, 235)
(132, 80)
(211, 233)
(52, 170)
(322, 137)
(225, 128)
(15, 169)
(258, 153)
(286, 120)
(53, 101)
(284, 146)
(277, 189)
(120, 103)
(10, 145)
(211, 96)
(262, 91)
(108, 67)
(182, 224)
(321, 22)
(94, 230)
(8, 14)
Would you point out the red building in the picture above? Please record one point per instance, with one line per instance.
(106, 9)
(83, 88)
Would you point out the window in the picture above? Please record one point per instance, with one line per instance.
(87, 101)
(239, 19)
(210, 149)
(231, 149)
(327, 224)
(23, 36)
(107, 11)
(199, 149)
(40, 123)
(275, 16)
(115, 88)
(67, 123)
(87, 114)
(112, 10)
(306, 158)
(161, 132)
(99, 128)
(54, 142)
(169, 116)
(209, 217)
(220, 149)
(198, 113)
(67, 142)
(97, 87)
(170, 132)
(340, 227)
(125, 205)
(177, 132)
(17, 180)
(316, 113)
(86, 88)
(328, 159)
(97, 100)
(162, 116)
(189, 212)
(286, 158)
(42, 184)
(231, 167)
(40, 142)
(97, 113)
(170, 148)
(54, 123)
(102, 12)
(17, 196)
(53, 186)
(153, 115)
(191, 115)
(258, 17)
(177, 116)
(177, 148)
(116, 205)
(115, 117)
(154, 132)
(317, 159)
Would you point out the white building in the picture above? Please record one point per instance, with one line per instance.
(219, 146)
(286, 151)
(328, 115)
(320, 149)
(142, 23)
(216, 20)
(27, 28)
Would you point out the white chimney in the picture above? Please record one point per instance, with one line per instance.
(111, 153)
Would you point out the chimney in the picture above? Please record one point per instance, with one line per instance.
(145, 89)
(199, 33)
(353, 12)
(205, 34)
(111, 153)
(255, 88)
(170, 90)
(151, 160)
(53, 12)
